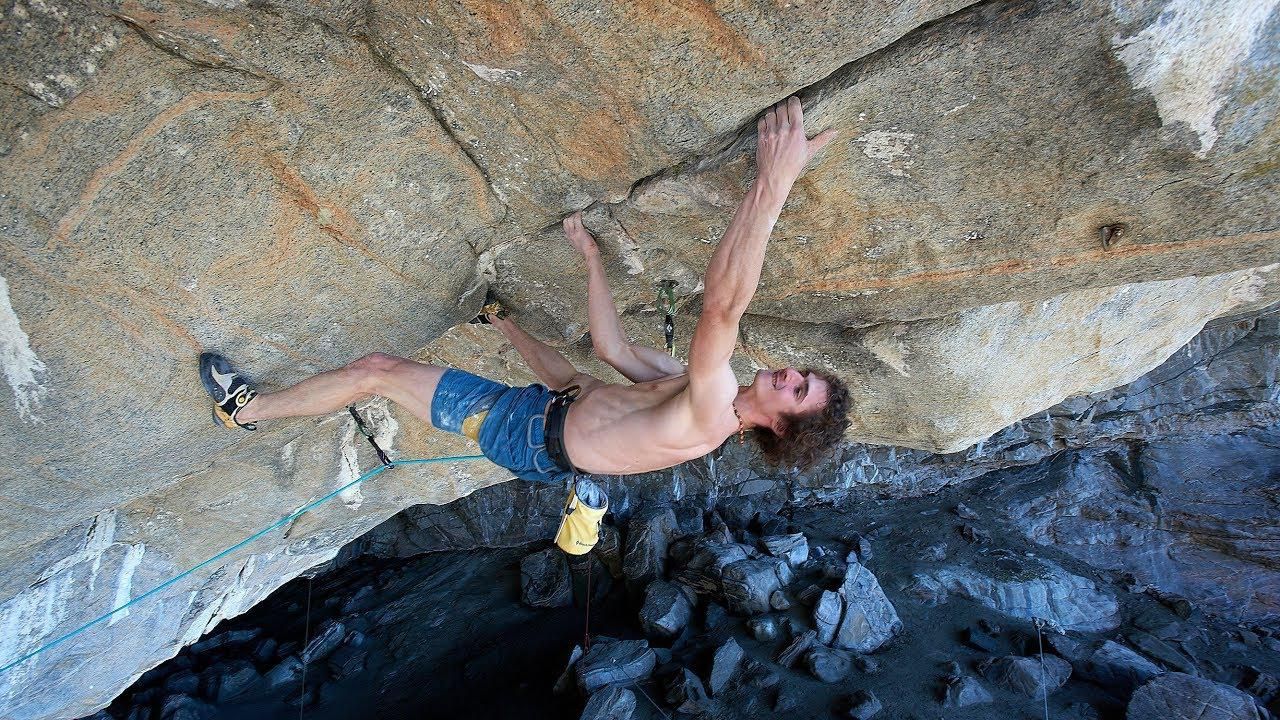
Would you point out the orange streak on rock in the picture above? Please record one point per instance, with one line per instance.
(1018, 267)
(71, 221)
(341, 226)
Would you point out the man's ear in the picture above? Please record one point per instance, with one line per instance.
(779, 427)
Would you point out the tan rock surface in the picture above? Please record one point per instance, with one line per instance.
(298, 184)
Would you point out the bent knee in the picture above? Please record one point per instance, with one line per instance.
(369, 373)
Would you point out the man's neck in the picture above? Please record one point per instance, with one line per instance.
(747, 411)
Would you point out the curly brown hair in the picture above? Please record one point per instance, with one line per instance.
(806, 438)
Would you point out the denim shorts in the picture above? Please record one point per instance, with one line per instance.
(509, 423)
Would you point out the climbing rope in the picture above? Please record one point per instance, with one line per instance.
(273, 526)
(306, 640)
(1039, 623)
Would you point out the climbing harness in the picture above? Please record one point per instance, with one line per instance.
(667, 306)
(282, 522)
(369, 436)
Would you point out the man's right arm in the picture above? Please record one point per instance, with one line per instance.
(734, 270)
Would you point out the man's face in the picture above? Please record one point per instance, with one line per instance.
(789, 391)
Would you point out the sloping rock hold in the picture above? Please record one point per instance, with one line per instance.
(1032, 676)
(1026, 588)
(1152, 515)
(545, 580)
(869, 619)
(1176, 696)
(614, 662)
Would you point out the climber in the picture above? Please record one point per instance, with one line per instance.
(575, 423)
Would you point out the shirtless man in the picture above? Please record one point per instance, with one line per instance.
(671, 413)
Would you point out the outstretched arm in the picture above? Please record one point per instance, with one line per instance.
(734, 270)
(636, 362)
(548, 364)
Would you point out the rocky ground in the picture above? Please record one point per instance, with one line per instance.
(750, 606)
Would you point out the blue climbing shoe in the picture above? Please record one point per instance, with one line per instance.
(229, 389)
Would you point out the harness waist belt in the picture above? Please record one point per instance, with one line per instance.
(553, 432)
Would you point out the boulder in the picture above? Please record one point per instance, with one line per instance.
(724, 666)
(648, 536)
(793, 548)
(545, 581)
(748, 585)
(1117, 668)
(869, 620)
(685, 692)
(1034, 677)
(864, 705)
(827, 664)
(610, 703)
(614, 662)
(1177, 696)
(965, 691)
(666, 610)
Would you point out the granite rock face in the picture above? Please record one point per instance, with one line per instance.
(299, 184)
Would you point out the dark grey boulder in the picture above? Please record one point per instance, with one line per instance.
(289, 671)
(1178, 696)
(869, 619)
(791, 654)
(182, 683)
(748, 585)
(234, 679)
(649, 535)
(963, 692)
(710, 558)
(611, 703)
(724, 666)
(826, 616)
(324, 642)
(763, 628)
(1032, 676)
(1117, 668)
(666, 610)
(827, 664)
(614, 662)
(793, 548)
(864, 705)
(181, 707)
(685, 692)
(545, 581)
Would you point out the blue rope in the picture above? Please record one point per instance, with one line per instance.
(277, 524)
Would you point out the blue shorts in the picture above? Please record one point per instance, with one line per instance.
(509, 423)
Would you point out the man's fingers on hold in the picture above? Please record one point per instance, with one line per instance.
(795, 114)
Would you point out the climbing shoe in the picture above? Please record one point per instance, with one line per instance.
(492, 306)
(580, 525)
(228, 388)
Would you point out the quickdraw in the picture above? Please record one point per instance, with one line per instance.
(369, 436)
(667, 305)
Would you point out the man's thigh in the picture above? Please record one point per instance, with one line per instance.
(412, 385)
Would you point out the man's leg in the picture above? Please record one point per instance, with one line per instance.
(405, 382)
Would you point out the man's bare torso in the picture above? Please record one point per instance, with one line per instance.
(625, 429)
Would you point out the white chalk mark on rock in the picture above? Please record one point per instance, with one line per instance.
(1191, 51)
(124, 584)
(24, 371)
(889, 147)
(489, 74)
